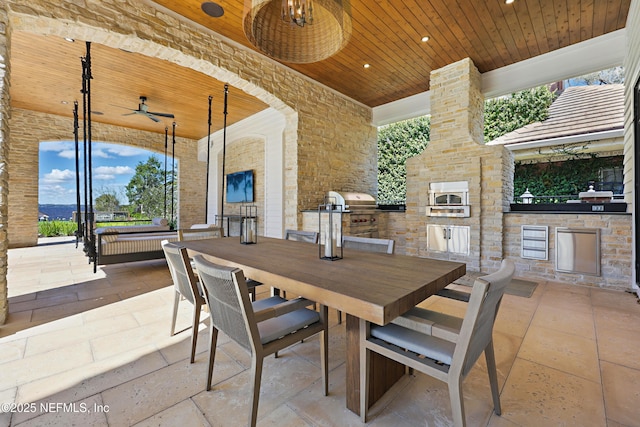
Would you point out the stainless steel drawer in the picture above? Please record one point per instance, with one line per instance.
(578, 250)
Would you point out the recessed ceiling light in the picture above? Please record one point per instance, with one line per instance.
(425, 39)
(509, 1)
(64, 102)
(212, 9)
(366, 65)
(69, 39)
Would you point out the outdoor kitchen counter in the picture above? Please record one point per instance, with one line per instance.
(570, 208)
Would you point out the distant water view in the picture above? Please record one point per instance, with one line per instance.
(58, 212)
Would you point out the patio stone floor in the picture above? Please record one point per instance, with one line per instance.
(94, 349)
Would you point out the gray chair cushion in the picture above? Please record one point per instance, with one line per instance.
(274, 328)
(261, 304)
(431, 347)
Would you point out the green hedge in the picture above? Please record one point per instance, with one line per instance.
(567, 178)
(68, 228)
(56, 228)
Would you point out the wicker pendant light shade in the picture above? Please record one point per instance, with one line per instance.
(275, 27)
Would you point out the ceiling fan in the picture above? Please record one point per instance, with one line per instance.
(143, 109)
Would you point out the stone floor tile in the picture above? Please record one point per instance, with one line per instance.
(621, 393)
(619, 344)
(48, 314)
(579, 323)
(568, 353)
(138, 399)
(86, 412)
(91, 330)
(282, 379)
(22, 371)
(536, 395)
(11, 350)
(183, 414)
(84, 381)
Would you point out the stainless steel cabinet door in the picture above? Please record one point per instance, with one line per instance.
(448, 238)
(437, 237)
(459, 239)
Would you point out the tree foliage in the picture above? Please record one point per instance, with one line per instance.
(567, 178)
(146, 189)
(505, 114)
(107, 202)
(604, 77)
(396, 143)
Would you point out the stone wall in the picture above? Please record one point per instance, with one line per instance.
(615, 245)
(330, 142)
(247, 154)
(456, 152)
(29, 128)
(5, 114)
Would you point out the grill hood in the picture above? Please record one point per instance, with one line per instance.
(351, 201)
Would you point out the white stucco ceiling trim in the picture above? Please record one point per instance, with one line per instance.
(596, 54)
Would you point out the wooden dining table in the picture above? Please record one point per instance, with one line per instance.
(376, 287)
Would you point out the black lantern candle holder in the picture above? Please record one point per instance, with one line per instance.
(248, 224)
(330, 231)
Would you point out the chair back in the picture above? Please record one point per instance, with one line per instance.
(228, 299)
(477, 327)
(199, 233)
(301, 236)
(184, 280)
(368, 244)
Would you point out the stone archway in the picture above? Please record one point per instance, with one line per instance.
(25, 235)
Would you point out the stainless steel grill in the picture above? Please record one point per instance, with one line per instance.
(352, 201)
(360, 217)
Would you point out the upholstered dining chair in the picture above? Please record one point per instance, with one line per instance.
(368, 244)
(444, 347)
(185, 286)
(261, 332)
(211, 232)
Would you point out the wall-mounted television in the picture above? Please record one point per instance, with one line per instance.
(240, 187)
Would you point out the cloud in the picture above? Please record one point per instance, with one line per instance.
(125, 151)
(106, 173)
(115, 170)
(57, 146)
(57, 176)
(68, 154)
(56, 194)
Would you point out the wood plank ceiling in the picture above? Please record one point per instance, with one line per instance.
(386, 34)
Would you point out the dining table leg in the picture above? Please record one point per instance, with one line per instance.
(384, 372)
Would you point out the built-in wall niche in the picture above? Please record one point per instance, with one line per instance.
(535, 242)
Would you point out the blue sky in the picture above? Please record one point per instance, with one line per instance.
(113, 167)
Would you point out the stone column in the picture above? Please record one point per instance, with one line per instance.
(4, 144)
(456, 152)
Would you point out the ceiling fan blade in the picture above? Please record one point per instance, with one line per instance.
(152, 118)
(130, 114)
(171, 116)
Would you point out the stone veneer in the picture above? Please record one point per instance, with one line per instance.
(29, 128)
(456, 152)
(247, 154)
(5, 114)
(615, 247)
